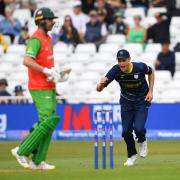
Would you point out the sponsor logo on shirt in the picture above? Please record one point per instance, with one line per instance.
(50, 57)
(29, 51)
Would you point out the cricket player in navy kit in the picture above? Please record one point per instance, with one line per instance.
(135, 99)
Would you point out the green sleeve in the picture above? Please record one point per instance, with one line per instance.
(33, 47)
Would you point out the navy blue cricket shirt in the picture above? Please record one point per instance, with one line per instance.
(133, 85)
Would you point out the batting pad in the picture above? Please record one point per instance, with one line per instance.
(33, 139)
(42, 149)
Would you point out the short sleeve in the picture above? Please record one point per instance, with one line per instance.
(33, 47)
(146, 69)
(111, 75)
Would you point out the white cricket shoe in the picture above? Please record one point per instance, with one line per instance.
(143, 149)
(131, 161)
(22, 160)
(42, 166)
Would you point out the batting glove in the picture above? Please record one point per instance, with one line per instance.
(47, 71)
(55, 76)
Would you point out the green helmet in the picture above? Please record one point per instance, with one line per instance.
(43, 13)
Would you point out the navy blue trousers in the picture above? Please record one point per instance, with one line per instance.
(134, 115)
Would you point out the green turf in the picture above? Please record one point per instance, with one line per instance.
(74, 161)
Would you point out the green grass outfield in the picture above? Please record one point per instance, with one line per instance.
(74, 161)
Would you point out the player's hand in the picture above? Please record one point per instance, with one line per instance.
(101, 84)
(48, 71)
(54, 76)
(103, 80)
(149, 96)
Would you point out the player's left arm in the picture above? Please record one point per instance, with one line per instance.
(151, 78)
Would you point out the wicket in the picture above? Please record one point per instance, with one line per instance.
(105, 129)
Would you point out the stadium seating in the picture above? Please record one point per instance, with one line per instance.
(177, 76)
(11, 85)
(2, 75)
(20, 68)
(63, 88)
(17, 49)
(6, 68)
(7, 39)
(97, 67)
(137, 48)
(63, 48)
(174, 29)
(174, 84)
(159, 86)
(13, 58)
(109, 48)
(23, 15)
(153, 48)
(77, 67)
(164, 76)
(91, 76)
(86, 48)
(175, 21)
(1, 50)
(106, 58)
(20, 77)
(149, 58)
(89, 65)
(148, 21)
(81, 58)
(129, 21)
(152, 11)
(177, 58)
(134, 11)
(170, 96)
(116, 39)
(61, 59)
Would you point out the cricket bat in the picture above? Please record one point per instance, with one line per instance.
(64, 74)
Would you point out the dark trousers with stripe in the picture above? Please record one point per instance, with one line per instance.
(134, 115)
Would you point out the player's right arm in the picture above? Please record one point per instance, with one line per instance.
(101, 84)
(31, 63)
(33, 48)
(107, 79)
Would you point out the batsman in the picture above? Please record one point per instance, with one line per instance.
(135, 99)
(42, 79)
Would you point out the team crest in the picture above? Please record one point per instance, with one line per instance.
(136, 76)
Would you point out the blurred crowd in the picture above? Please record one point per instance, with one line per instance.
(91, 21)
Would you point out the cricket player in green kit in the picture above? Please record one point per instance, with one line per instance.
(42, 78)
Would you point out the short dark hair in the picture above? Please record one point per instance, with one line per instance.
(165, 42)
(3, 81)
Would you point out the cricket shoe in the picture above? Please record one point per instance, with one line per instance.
(42, 166)
(143, 149)
(22, 160)
(131, 161)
